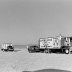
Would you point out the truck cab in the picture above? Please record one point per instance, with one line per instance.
(66, 44)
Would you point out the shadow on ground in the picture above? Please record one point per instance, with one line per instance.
(48, 70)
(17, 50)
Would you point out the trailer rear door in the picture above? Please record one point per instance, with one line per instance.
(42, 43)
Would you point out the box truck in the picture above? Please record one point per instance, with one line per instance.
(7, 47)
(53, 44)
(63, 45)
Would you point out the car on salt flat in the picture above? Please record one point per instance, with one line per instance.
(7, 47)
(33, 48)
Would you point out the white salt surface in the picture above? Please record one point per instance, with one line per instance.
(23, 61)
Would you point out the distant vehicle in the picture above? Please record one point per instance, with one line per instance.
(33, 48)
(7, 47)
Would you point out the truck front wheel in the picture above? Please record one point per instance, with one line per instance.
(67, 51)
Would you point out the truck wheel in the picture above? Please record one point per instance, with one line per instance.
(3, 50)
(67, 51)
(46, 51)
(29, 51)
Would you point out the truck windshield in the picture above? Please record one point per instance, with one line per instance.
(71, 39)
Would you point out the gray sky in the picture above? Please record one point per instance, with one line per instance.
(25, 21)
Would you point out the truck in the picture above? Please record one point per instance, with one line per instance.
(62, 44)
(7, 47)
(53, 44)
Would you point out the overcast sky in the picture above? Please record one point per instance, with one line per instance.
(25, 21)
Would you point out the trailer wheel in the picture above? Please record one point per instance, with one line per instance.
(67, 51)
(30, 51)
(3, 50)
(46, 51)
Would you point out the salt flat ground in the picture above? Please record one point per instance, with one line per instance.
(21, 60)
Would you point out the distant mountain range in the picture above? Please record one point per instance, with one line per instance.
(20, 46)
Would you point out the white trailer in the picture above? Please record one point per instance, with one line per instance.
(49, 44)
